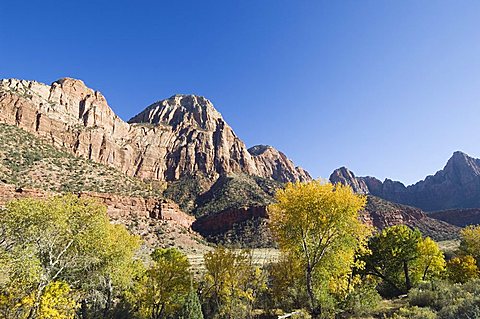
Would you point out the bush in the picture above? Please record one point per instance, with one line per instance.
(462, 269)
(435, 295)
(363, 300)
(467, 309)
(450, 300)
(414, 313)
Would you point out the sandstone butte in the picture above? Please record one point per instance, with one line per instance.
(182, 135)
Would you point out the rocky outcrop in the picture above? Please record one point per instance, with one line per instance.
(381, 213)
(344, 176)
(456, 186)
(225, 220)
(272, 162)
(10, 192)
(119, 208)
(175, 137)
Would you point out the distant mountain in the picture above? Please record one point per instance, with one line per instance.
(176, 137)
(457, 185)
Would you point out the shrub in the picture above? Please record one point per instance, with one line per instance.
(414, 313)
(363, 300)
(466, 309)
(435, 295)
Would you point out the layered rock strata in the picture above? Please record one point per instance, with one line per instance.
(182, 135)
(119, 208)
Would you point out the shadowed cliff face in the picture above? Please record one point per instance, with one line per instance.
(456, 186)
(180, 136)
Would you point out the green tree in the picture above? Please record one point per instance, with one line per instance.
(164, 286)
(20, 272)
(319, 224)
(191, 309)
(394, 252)
(286, 283)
(114, 274)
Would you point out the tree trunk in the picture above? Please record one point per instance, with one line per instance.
(108, 304)
(314, 310)
(33, 311)
(408, 284)
(84, 309)
(425, 273)
(162, 309)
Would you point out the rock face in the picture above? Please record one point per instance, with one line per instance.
(344, 176)
(119, 208)
(272, 162)
(456, 186)
(225, 220)
(458, 217)
(169, 139)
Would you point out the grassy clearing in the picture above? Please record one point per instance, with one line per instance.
(261, 257)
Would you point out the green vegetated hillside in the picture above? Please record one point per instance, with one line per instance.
(236, 191)
(196, 196)
(28, 161)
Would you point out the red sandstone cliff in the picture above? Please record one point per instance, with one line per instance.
(119, 208)
(171, 138)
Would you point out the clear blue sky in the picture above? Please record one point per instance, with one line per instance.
(386, 88)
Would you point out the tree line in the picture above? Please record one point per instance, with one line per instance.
(61, 258)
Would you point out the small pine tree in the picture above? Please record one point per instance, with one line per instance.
(191, 309)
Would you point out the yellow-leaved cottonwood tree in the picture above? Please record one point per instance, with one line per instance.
(470, 242)
(58, 245)
(319, 224)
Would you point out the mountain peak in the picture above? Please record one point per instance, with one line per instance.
(181, 109)
(462, 167)
(456, 186)
(69, 80)
(344, 176)
(459, 157)
(272, 162)
(189, 136)
(259, 149)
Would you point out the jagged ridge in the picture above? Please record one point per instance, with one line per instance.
(182, 135)
(456, 186)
